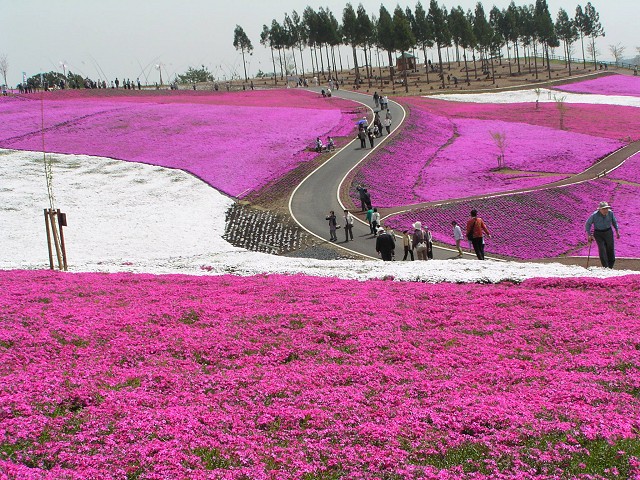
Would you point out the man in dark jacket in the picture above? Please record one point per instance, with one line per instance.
(385, 245)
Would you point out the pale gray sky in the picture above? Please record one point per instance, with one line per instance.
(127, 38)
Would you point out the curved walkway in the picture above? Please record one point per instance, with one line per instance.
(319, 192)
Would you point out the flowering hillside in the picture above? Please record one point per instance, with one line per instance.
(138, 376)
(521, 225)
(236, 142)
(446, 150)
(609, 85)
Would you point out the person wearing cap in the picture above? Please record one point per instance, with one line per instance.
(476, 228)
(602, 220)
(385, 245)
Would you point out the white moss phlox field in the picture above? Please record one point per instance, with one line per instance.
(127, 217)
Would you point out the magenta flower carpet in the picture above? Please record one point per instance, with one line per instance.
(236, 142)
(608, 85)
(155, 377)
(447, 151)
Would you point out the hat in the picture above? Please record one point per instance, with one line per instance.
(604, 205)
(417, 226)
(380, 230)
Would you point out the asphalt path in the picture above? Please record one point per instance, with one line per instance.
(319, 192)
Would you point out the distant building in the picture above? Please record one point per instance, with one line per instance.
(405, 61)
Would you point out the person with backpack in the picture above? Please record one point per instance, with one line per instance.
(421, 240)
(371, 134)
(476, 229)
(362, 136)
(385, 245)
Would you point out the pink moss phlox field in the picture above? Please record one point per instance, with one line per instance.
(542, 224)
(236, 142)
(443, 156)
(629, 171)
(608, 85)
(615, 122)
(140, 376)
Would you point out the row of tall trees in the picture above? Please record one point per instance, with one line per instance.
(527, 32)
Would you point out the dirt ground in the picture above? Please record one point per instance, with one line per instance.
(420, 83)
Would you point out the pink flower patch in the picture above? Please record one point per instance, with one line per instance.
(235, 142)
(608, 85)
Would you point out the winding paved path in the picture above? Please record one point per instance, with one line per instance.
(312, 200)
(319, 192)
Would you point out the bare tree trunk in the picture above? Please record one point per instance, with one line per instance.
(355, 63)
(426, 62)
(466, 68)
(326, 49)
(546, 48)
(301, 59)
(475, 65)
(295, 64)
(280, 58)
(406, 82)
(440, 61)
(275, 75)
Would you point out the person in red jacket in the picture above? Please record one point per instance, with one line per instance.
(476, 229)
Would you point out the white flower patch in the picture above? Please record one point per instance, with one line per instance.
(546, 96)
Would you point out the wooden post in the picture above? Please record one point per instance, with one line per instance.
(62, 222)
(56, 238)
(46, 224)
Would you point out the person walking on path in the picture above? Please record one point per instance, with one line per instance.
(376, 99)
(369, 217)
(362, 135)
(420, 241)
(387, 125)
(362, 193)
(367, 199)
(333, 226)
(476, 228)
(348, 226)
(457, 236)
(375, 222)
(406, 242)
(372, 135)
(385, 245)
(602, 220)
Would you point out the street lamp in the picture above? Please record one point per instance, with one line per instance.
(64, 70)
(159, 68)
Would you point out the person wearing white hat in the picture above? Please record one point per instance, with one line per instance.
(420, 241)
(385, 245)
(602, 220)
